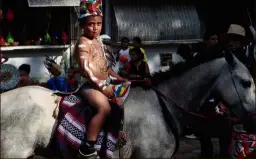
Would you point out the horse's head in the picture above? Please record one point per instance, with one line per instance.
(237, 91)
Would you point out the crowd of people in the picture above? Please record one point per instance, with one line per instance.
(55, 83)
(215, 46)
(132, 65)
(132, 60)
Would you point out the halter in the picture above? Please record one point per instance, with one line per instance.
(240, 100)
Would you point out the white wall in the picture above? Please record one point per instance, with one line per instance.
(153, 54)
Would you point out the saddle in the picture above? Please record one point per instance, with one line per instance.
(121, 92)
(74, 115)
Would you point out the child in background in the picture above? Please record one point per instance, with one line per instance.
(25, 79)
(124, 71)
(124, 52)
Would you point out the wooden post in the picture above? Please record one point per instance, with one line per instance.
(107, 17)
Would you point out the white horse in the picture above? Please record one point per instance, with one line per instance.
(152, 128)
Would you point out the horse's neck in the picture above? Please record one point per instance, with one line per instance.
(191, 88)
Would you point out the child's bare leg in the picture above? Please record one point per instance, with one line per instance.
(101, 103)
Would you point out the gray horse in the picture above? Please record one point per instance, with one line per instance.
(152, 125)
(217, 126)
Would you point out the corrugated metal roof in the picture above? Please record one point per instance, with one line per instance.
(156, 22)
(53, 3)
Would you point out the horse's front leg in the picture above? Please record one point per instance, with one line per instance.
(206, 146)
(224, 143)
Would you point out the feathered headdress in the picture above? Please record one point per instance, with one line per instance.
(107, 45)
(90, 7)
(52, 66)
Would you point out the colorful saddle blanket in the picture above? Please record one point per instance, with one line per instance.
(74, 118)
(243, 144)
(121, 92)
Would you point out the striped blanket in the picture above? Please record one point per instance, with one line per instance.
(74, 118)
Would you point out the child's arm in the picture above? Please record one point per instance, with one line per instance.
(115, 75)
(84, 54)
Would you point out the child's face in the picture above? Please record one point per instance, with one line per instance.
(134, 56)
(125, 43)
(93, 26)
(23, 73)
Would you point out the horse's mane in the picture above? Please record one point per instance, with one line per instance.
(180, 68)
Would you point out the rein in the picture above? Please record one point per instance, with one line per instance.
(234, 119)
(189, 112)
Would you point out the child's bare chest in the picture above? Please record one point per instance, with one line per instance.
(96, 53)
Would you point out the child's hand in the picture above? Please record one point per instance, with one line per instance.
(108, 92)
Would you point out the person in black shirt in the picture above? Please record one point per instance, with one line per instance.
(138, 69)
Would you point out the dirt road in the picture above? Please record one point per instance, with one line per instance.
(190, 148)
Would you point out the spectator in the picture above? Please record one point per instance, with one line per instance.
(208, 49)
(138, 68)
(137, 44)
(234, 41)
(25, 79)
(212, 47)
(124, 51)
(211, 39)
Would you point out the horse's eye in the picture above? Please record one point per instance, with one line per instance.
(246, 84)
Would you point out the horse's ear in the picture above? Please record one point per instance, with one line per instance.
(230, 59)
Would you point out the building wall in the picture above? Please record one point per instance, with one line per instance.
(35, 58)
(153, 53)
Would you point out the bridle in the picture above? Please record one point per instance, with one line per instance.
(240, 100)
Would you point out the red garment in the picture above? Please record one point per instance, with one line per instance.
(73, 84)
(243, 144)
